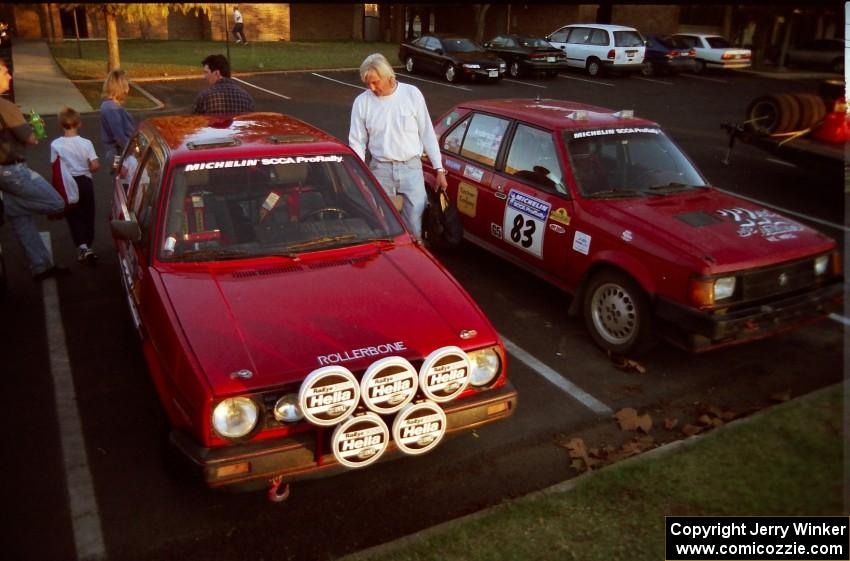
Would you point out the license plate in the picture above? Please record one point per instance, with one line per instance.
(550, 59)
(493, 74)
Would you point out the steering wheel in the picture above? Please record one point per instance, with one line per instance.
(319, 214)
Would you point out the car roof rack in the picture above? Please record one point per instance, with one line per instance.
(579, 115)
(212, 143)
(624, 114)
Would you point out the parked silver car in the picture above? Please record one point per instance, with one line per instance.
(822, 53)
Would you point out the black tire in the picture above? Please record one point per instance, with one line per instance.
(648, 69)
(514, 69)
(450, 74)
(812, 110)
(617, 313)
(408, 64)
(593, 66)
(2, 274)
(699, 66)
(773, 114)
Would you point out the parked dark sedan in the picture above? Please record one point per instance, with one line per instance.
(452, 57)
(527, 54)
(669, 55)
(823, 53)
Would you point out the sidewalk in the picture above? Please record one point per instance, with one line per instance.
(39, 83)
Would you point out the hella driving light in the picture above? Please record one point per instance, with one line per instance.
(234, 417)
(724, 287)
(821, 265)
(485, 366)
(286, 409)
(472, 66)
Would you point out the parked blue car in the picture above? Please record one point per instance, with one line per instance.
(667, 55)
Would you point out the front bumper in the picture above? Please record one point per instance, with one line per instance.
(482, 72)
(307, 454)
(698, 330)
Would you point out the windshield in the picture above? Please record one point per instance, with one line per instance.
(717, 42)
(460, 46)
(272, 206)
(535, 42)
(629, 162)
(627, 39)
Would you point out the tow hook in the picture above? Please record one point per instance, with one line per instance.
(278, 490)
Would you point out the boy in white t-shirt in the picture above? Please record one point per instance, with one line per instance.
(80, 159)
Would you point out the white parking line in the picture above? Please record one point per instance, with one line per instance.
(433, 82)
(840, 319)
(781, 163)
(554, 377)
(523, 83)
(717, 80)
(788, 211)
(653, 80)
(597, 82)
(338, 81)
(259, 88)
(85, 519)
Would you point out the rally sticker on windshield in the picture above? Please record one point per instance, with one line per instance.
(769, 225)
(250, 162)
(525, 222)
(623, 130)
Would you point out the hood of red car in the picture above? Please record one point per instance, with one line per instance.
(282, 320)
(723, 231)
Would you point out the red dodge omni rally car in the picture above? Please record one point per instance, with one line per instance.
(605, 206)
(290, 323)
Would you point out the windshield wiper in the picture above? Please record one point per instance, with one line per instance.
(609, 193)
(323, 241)
(675, 186)
(212, 254)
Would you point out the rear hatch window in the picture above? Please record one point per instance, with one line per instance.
(627, 39)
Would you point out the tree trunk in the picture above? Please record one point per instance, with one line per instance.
(480, 20)
(112, 40)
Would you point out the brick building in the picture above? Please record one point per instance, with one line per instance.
(761, 26)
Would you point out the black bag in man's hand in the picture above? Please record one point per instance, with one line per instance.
(441, 226)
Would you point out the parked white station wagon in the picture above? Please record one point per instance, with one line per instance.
(600, 47)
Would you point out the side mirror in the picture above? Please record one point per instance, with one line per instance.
(487, 45)
(439, 51)
(126, 230)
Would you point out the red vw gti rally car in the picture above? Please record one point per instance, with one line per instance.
(605, 206)
(291, 325)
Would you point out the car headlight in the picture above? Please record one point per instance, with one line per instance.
(821, 265)
(705, 292)
(472, 66)
(286, 409)
(234, 417)
(485, 364)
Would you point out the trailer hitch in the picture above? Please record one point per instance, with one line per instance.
(278, 490)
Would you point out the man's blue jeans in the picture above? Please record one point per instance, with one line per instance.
(26, 193)
(405, 179)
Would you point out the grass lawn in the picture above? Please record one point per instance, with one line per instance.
(148, 58)
(786, 461)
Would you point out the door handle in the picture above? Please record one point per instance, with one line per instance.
(500, 195)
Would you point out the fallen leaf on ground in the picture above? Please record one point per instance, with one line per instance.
(670, 424)
(644, 422)
(704, 420)
(627, 418)
(690, 430)
(628, 365)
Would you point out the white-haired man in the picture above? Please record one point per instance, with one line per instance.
(391, 120)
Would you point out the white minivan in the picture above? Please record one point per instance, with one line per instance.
(599, 47)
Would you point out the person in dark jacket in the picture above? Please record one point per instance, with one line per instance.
(116, 124)
(223, 96)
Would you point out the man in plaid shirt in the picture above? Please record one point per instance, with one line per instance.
(223, 96)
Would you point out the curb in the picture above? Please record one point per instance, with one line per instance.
(157, 103)
(566, 485)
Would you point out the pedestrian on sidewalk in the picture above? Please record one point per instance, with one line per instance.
(223, 96)
(77, 155)
(237, 26)
(116, 124)
(25, 192)
(392, 121)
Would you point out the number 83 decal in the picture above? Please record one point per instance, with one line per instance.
(525, 222)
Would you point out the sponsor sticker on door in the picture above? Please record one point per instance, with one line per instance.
(525, 222)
